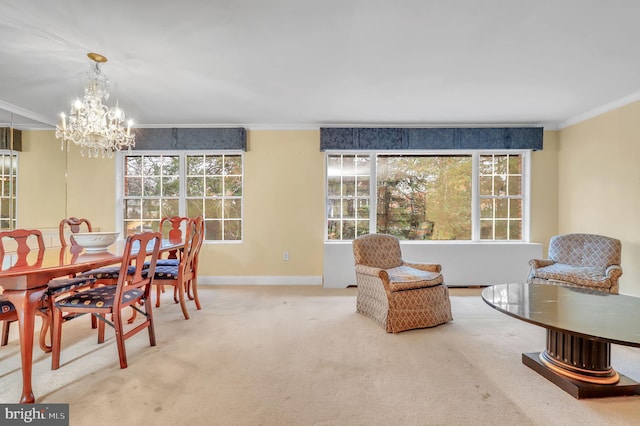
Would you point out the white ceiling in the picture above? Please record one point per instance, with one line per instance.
(309, 63)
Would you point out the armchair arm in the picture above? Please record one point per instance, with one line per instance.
(540, 263)
(368, 270)
(428, 267)
(613, 271)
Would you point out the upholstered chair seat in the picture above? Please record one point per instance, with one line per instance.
(8, 315)
(98, 297)
(107, 272)
(166, 272)
(165, 262)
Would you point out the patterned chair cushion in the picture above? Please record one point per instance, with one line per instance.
(407, 278)
(164, 262)
(562, 272)
(67, 284)
(98, 297)
(164, 272)
(108, 272)
(5, 305)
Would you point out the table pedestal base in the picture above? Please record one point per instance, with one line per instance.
(577, 388)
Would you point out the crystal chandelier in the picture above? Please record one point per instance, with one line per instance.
(98, 129)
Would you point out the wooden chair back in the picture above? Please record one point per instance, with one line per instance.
(74, 225)
(192, 244)
(175, 229)
(139, 248)
(198, 223)
(22, 241)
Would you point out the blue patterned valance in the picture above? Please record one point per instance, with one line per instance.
(187, 138)
(364, 138)
(5, 139)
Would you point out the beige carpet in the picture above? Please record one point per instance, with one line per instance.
(289, 355)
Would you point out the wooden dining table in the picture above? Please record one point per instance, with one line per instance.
(24, 282)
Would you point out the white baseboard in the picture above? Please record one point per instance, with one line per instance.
(260, 280)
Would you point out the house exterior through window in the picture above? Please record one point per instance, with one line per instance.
(8, 197)
(461, 196)
(207, 184)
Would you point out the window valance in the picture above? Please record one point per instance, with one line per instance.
(234, 138)
(364, 138)
(5, 139)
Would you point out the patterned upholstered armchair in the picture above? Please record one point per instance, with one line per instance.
(580, 260)
(398, 295)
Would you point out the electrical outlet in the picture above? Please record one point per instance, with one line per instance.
(285, 255)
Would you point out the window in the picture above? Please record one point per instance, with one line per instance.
(427, 196)
(501, 197)
(8, 201)
(184, 184)
(348, 190)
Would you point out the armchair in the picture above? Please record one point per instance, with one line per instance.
(396, 294)
(580, 260)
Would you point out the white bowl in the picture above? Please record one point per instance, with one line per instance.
(95, 241)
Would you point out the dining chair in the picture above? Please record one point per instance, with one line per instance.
(110, 300)
(174, 233)
(26, 241)
(19, 241)
(192, 285)
(183, 276)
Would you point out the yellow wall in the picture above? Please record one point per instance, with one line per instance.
(599, 183)
(586, 179)
(41, 181)
(283, 211)
(544, 191)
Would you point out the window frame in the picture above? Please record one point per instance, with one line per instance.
(15, 156)
(475, 189)
(182, 198)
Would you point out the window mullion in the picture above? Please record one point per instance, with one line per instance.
(373, 191)
(475, 196)
(182, 171)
